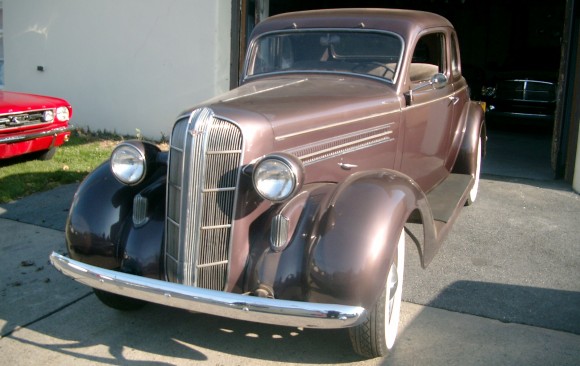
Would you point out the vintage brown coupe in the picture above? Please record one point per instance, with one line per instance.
(285, 201)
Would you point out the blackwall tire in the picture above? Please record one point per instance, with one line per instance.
(119, 302)
(376, 336)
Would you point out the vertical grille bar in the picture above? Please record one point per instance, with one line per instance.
(205, 159)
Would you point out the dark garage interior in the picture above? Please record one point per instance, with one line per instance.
(499, 40)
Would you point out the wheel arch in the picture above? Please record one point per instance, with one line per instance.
(100, 229)
(358, 233)
(474, 130)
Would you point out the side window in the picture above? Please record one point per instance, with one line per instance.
(428, 57)
(455, 60)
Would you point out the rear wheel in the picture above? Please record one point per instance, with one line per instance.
(376, 336)
(119, 302)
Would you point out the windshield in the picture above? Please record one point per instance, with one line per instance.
(360, 52)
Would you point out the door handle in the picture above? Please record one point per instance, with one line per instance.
(453, 100)
(347, 166)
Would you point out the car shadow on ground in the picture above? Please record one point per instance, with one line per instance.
(158, 335)
(540, 307)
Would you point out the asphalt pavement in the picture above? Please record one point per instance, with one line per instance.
(503, 290)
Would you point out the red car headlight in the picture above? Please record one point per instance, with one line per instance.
(62, 114)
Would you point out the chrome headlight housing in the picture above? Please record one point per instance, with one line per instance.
(129, 163)
(62, 114)
(277, 177)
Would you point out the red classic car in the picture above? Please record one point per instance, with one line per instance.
(286, 200)
(32, 124)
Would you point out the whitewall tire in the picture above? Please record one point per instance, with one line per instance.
(376, 336)
(473, 192)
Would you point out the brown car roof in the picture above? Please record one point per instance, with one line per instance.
(403, 22)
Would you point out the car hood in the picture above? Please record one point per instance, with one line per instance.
(11, 102)
(295, 104)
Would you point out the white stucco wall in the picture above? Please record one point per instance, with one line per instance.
(122, 64)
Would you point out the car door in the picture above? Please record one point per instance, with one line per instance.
(428, 113)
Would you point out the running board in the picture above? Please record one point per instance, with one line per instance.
(445, 202)
(448, 196)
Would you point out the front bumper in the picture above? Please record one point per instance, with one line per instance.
(236, 306)
(31, 136)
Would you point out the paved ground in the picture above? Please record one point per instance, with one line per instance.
(503, 290)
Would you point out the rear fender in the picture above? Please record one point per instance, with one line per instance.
(474, 129)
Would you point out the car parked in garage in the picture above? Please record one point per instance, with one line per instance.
(285, 200)
(32, 124)
(521, 98)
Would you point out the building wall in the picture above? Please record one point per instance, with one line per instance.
(123, 65)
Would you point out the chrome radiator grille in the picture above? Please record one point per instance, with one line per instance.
(23, 119)
(204, 167)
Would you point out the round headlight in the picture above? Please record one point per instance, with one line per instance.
(128, 164)
(277, 178)
(48, 116)
(62, 114)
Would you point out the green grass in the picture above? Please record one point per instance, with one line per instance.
(24, 175)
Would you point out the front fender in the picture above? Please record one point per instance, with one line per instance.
(358, 234)
(100, 229)
(98, 213)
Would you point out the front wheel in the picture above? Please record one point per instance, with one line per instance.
(376, 336)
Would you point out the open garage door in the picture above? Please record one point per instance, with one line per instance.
(529, 46)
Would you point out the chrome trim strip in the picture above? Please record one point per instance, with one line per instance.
(521, 114)
(346, 145)
(413, 106)
(531, 81)
(225, 304)
(54, 132)
(460, 89)
(140, 207)
(343, 144)
(316, 129)
(450, 95)
(265, 90)
(279, 232)
(29, 111)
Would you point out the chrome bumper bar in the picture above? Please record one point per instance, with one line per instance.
(236, 306)
(32, 136)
